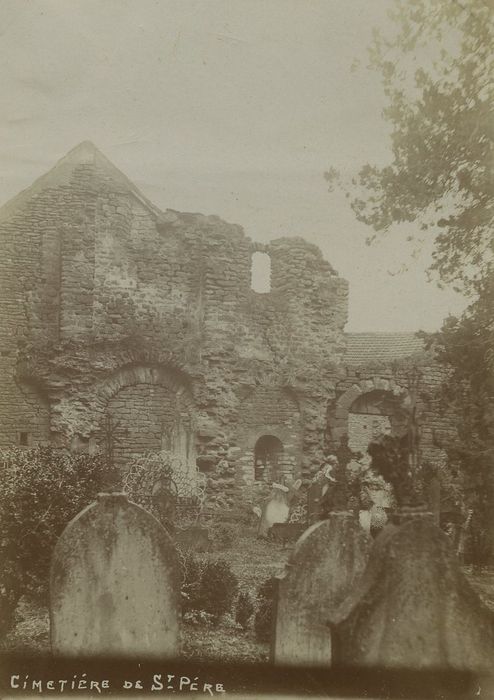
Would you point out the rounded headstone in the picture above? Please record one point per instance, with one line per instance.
(325, 564)
(115, 584)
(413, 607)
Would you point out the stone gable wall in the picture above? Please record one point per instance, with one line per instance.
(111, 307)
(96, 282)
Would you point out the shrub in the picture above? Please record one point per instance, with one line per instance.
(207, 587)
(218, 588)
(224, 535)
(42, 490)
(191, 583)
(264, 618)
(244, 609)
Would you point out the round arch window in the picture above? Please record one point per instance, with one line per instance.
(267, 458)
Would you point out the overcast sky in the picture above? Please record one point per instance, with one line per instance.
(227, 107)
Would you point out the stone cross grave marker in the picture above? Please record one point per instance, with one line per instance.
(413, 607)
(115, 584)
(326, 562)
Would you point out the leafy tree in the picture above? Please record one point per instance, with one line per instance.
(467, 346)
(437, 70)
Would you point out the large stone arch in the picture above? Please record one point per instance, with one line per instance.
(148, 408)
(338, 417)
(157, 375)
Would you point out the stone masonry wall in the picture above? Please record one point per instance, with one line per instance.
(113, 307)
(270, 411)
(98, 284)
(149, 418)
(437, 426)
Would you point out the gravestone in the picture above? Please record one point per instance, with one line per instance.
(413, 607)
(276, 508)
(115, 584)
(326, 562)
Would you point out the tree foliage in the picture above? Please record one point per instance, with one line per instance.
(42, 490)
(437, 74)
(466, 345)
(437, 70)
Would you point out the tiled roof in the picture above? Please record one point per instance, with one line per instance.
(368, 347)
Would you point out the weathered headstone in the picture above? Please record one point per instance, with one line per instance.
(115, 584)
(326, 562)
(276, 508)
(413, 607)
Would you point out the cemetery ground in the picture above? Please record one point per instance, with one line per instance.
(252, 560)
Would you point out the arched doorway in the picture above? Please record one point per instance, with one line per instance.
(268, 452)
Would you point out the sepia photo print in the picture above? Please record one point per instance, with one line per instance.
(247, 348)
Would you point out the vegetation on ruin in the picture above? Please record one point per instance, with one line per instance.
(42, 490)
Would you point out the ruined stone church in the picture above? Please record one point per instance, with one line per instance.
(113, 310)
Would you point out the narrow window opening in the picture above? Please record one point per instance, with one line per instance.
(24, 439)
(260, 280)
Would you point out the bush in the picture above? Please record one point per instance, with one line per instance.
(208, 587)
(244, 609)
(219, 587)
(224, 535)
(191, 583)
(264, 618)
(42, 490)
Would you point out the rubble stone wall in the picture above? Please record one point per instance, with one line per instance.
(96, 281)
(111, 307)
(437, 425)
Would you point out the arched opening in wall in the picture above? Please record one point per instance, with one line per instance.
(146, 417)
(373, 414)
(260, 273)
(268, 452)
